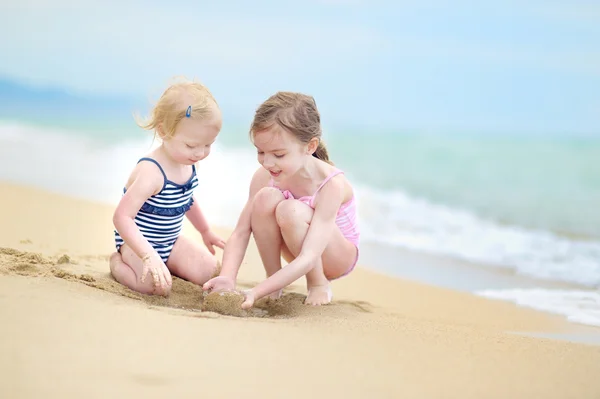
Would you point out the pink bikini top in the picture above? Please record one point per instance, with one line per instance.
(346, 215)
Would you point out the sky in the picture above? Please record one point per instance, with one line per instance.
(399, 64)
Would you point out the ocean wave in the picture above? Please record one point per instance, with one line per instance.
(398, 219)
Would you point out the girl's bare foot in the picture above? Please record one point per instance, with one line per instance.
(319, 295)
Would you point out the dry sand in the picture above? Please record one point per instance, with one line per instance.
(68, 329)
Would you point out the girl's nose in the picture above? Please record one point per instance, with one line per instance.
(200, 153)
(268, 161)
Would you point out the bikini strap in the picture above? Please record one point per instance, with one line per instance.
(154, 161)
(331, 175)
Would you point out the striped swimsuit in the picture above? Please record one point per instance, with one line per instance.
(160, 218)
(345, 219)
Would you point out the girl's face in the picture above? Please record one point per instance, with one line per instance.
(193, 139)
(280, 152)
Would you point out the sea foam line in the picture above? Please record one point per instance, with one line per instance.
(578, 306)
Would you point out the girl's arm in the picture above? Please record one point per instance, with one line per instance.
(196, 217)
(318, 236)
(237, 243)
(146, 182)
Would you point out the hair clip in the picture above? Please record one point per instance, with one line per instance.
(188, 112)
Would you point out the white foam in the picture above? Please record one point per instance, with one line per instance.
(577, 306)
(66, 163)
(396, 219)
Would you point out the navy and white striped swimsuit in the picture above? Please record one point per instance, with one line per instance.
(160, 218)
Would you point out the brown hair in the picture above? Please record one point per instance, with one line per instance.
(173, 104)
(297, 113)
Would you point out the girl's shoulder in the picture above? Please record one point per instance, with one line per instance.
(148, 171)
(335, 184)
(334, 174)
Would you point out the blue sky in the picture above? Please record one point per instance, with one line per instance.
(428, 64)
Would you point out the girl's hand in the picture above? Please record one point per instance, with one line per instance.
(161, 277)
(220, 283)
(248, 299)
(211, 239)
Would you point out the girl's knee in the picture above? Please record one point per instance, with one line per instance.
(119, 269)
(113, 262)
(124, 274)
(266, 200)
(291, 213)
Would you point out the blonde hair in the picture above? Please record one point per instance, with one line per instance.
(183, 98)
(297, 113)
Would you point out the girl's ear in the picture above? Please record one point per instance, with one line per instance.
(313, 144)
(159, 131)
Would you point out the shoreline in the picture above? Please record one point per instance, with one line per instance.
(449, 272)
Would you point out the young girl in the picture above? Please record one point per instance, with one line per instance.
(300, 206)
(159, 192)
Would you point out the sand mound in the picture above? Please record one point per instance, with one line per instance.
(184, 295)
(227, 303)
(13, 261)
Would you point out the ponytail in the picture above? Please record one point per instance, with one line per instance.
(322, 153)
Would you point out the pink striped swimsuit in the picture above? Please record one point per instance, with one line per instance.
(346, 216)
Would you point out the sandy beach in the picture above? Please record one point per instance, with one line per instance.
(68, 329)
